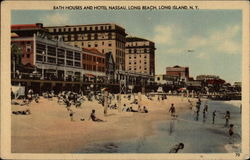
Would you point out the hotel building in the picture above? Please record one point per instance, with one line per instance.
(140, 56)
(106, 38)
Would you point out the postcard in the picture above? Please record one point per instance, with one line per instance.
(125, 80)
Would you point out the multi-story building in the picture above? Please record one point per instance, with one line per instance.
(140, 55)
(181, 72)
(106, 38)
(54, 59)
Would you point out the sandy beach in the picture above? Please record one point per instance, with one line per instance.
(48, 129)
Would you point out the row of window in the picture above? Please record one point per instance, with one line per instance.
(130, 57)
(86, 28)
(93, 58)
(93, 67)
(75, 37)
(135, 62)
(139, 50)
(136, 68)
(52, 60)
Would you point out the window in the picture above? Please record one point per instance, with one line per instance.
(60, 30)
(89, 36)
(96, 36)
(69, 63)
(102, 43)
(51, 51)
(51, 60)
(74, 29)
(77, 64)
(134, 62)
(145, 68)
(109, 27)
(38, 58)
(101, 27)
(60, 61)
(94, 59)
(54, 30)
(89, 45)
(69, 55)
(61, 53)
(96, 28)
(96, 45)
(129, 57)
(77, 56)
(145, 62)
(28, 55)
(84, 56)
(84, 66)
(80, 29)
(90, 28)
(109, 44)
(109, 36)
(69, 29)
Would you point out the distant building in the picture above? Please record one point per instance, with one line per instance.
(106, 38)
(237, 84)
(160, 79)
(181, 72)
(140, 56)
(206, 77)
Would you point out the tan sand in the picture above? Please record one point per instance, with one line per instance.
(49, 130)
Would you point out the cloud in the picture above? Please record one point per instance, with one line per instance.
(56, 19)
(175, 50)
(196, 42)
(164, 35)
(219, 41)
(203, 55)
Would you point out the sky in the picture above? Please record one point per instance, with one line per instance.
(214, 36)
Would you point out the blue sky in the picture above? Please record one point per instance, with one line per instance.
(214, 35)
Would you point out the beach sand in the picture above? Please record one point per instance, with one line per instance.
(49, 129)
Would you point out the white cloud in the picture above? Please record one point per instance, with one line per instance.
(196, 42)
(175, 50)
(56, 19)
(164, 35)
(220, 41)
(203, 55)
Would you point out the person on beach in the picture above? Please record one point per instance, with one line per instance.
(197, 115)
(93, 117)
(204, 115)
(198, 106)
(172, 109)
(71, 114)
(214, 115)
(206, 107)
(231, 133)
(227, 117)
(145, 110)
(176, 148)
